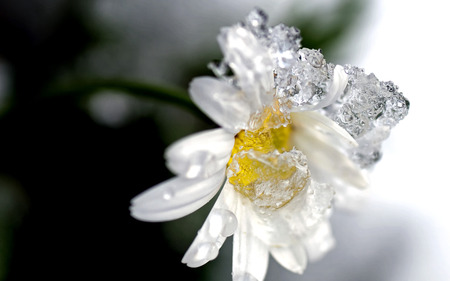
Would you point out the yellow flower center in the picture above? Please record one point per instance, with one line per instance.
(263, 167)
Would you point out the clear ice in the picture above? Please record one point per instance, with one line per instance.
(302, 80)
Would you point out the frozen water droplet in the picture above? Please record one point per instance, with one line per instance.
(168, 194)
(270, 180)
(256, 19)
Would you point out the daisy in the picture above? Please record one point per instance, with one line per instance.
(293, 129)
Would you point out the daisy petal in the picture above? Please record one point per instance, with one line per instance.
(325, 144)
(201, 154)
(175, 198)
(220, 223)
(251, 63)
(319, 241)
(340, 80)
(221, 102)
(337, 87)
(291, 257)
(324, 127)
(250, 254)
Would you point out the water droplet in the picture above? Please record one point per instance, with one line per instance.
(168, 194)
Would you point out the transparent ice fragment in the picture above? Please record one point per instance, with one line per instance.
(335, 89)
(313, 57)
(307, 82)
(356, 123)
(366, 101)
(397, 107)
(256, 21)
(269, 180)
(284, 38)
(368, 109)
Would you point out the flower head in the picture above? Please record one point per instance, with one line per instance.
(294, 129)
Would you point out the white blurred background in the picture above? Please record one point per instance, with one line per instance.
(407, 44)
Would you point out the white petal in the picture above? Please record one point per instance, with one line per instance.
(175, 198)
(250, 254)
(340, 80)
(220, 223)
(201, 154)
(325, 144)
(324, 128)
(291, 257)
(221, 102)
(319, 241)
(250, 62)
(337, 87)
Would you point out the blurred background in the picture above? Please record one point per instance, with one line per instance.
(91, 93)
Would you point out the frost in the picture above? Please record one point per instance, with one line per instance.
(368, 109)
(269, 180)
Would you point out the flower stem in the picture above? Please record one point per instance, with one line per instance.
(142, 90)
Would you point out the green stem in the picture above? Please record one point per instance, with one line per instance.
(142, 90)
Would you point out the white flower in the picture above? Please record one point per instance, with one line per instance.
(291, 130)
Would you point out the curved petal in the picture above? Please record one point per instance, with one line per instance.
(220, 223)
(340, 80)
(200, 155)
(175, 198)
(250, 254)
(325, 144)
(319, 241)
(221, 102)
(251, 63)
(324, 128)
(336, 88)
(292, 257)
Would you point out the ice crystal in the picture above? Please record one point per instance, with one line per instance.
(269, 180)
(303, 80)
(368, 109)
(302, 77)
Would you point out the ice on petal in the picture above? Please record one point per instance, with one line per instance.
(336, 88)
(201, 154)
(220, 223)
(250, 254)
(270, 180)
(319, 241)
(324, 127)
(318, 204)
(366, 106)
(175, 198)
(250, 62)
(256, 21)
(223, 103)
(305, 84)
(325, 145)
(292, 257)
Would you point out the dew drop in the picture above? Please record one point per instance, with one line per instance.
(168, 194)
